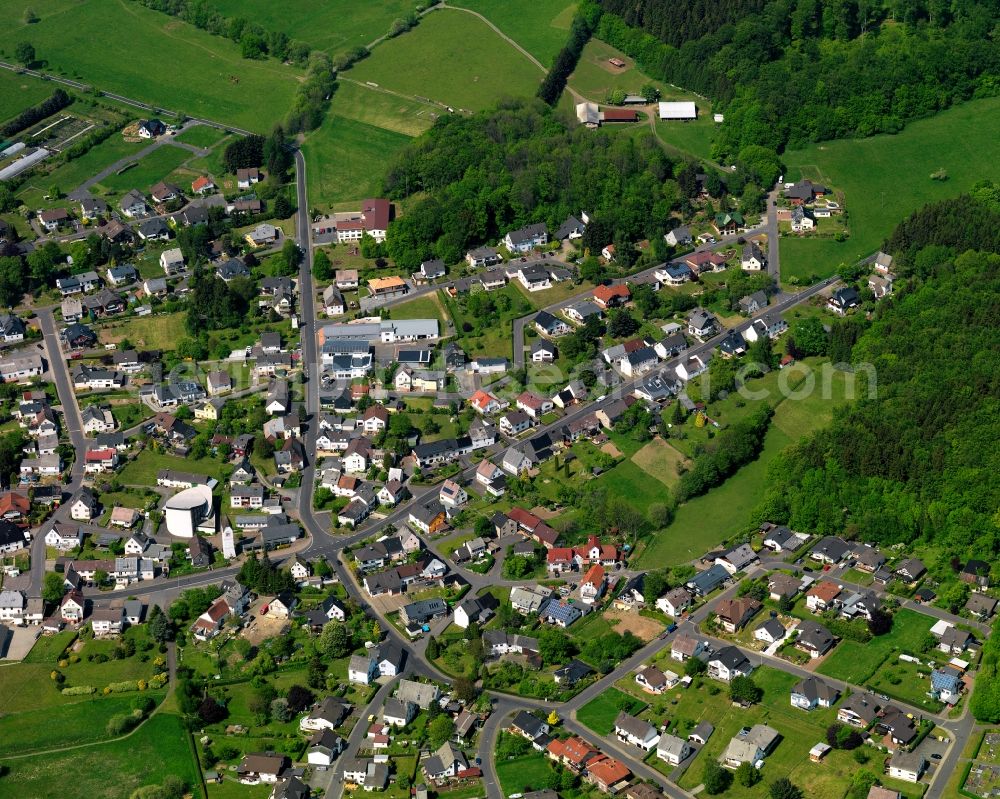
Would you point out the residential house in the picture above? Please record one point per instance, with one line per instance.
(906, 766)
(704, 582)
(911, 570)
(592, 585)
(753, 258)
(686, 646)
(737, 559)
(672, 750)
(813, 638)
(812, 692)
(526, 239)
(843, 300)
(769, 631)
(734, 614)
(727, 663)
(822, 596)
(702, 324)
(750, 747)
(859, 710)
(631, 730)
(674, 602)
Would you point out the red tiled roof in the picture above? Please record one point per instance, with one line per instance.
(524, 518)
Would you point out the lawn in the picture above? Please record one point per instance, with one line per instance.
(201, 136)
(522, 774)
(426, 307)
(48, 648)
(854, 662)
(471, 67)
(345, 159)
(157, 748)
(18, 92)
(142, 471)
(964, 141)
(170, 63)
(159, 332)
(540, 26)
(599, 714)
(659, 459)
(495, 340)
(151, 169)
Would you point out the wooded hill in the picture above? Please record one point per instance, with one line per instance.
(787, 72)
(919, 461)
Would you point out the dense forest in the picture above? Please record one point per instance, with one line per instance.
(795, 71)
(919, 459)
(482, 175)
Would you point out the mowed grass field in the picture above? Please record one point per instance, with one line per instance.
(540, 26)
(18, 92)
(427, 307)
(377, 107)
(451, 58)
(332, 25)
(855, 663)
(161, 332)
(345, 160)
(201, 136)
(107, 771)
(142, 471)
(660, 460)
(160, 60)
(878, 193)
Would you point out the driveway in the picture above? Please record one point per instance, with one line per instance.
(20, 642)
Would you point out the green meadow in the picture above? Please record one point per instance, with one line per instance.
(451, 58)
(885, 178)
(158, 59)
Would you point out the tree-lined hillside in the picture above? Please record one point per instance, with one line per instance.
(795, 71)
(482, 175)
(918, 459)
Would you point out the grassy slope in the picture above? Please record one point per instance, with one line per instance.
(18, 92)
(540, 26)
(965, 141)
(712, 517)
(332, 25)
(451, 58)
(164, 61)
(599, 714)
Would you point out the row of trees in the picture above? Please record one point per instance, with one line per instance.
(254, 40)
(587, 16)
(36, 113)
(732, 448)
